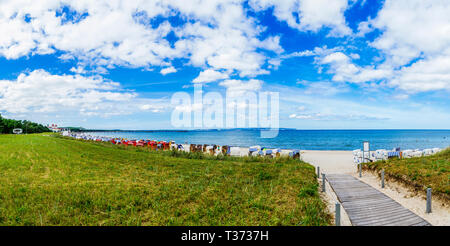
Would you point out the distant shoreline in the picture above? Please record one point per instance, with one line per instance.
(252, 129)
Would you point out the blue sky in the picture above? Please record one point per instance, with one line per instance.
(341, 64)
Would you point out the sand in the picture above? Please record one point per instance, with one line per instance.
(330, 161)
(440, 215)
(342, 162)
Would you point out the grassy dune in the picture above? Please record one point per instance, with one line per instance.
(49, 180)
(420, 173)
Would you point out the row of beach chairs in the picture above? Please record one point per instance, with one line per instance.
(204, 148)
(383, 154)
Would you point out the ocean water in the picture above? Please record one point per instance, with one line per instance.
(300, 139)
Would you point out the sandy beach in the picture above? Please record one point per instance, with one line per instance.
(330, 161)
(342, 162)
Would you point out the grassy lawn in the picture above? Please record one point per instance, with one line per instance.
(420, 173)
(48, 180)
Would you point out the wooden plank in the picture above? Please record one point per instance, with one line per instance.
(399, 219)
(403, 222)
(366, 206)
(372, 204)
(379, 213)
(371, 212)
(393, 217)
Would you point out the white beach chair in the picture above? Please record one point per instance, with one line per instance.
(407, 153)
(436, 150)
(416, 153)
(186, 147)
(173, 146)
(427, 152)
(285, 152)
(235, 151)
(218, 150)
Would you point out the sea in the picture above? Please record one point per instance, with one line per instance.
(297, 139)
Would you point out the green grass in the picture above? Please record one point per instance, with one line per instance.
(49, 180)
(420, 173)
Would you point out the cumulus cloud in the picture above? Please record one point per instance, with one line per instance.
(412, 27)
(237, 88)
(41, 92)
(344, 70)
(210, 75)
(415, 42)
(309, 15)
(168, 70)
(105, 34)
(429, 74)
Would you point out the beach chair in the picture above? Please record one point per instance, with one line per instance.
(226, 150)
(295, 154)
(151, 144)
(417, 153)
(427, 152)
(187, 147)
(270, 152)
(209, 149)
(393, 154)
(254, 149)
(173, 146)
(199, 148)
(218, 150)
(255, 153)
(235, 151)
(436, 150)
(407, 153)
(276, 153)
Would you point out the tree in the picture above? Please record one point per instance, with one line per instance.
(7, 126)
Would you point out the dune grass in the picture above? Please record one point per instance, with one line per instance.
(419, 173)
(50, 180)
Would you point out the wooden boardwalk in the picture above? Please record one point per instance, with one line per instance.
(367, 206)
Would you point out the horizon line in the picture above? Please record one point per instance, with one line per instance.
(281, 128)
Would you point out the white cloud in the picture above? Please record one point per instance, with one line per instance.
(79, 70)
(309, 15)
(411, 28)
(41, 92)
(304, 116)
(317, 51)
(237, 88)
(323, 88)
(414, 46)
(344, 70)
(364, 28)
(415, 42)
(333, 117)
(106, 34)
(210, 75)
(168, 70)
(425, 75)
(152, 108)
